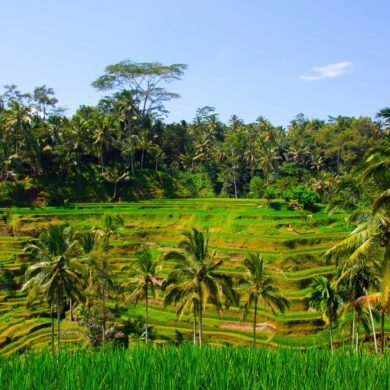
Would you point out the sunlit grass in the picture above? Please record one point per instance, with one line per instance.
(187, 367)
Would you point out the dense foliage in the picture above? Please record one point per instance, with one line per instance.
(122, 148)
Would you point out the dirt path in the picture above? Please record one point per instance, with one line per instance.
(262, 326)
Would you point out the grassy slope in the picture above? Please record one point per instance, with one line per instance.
(292, 242)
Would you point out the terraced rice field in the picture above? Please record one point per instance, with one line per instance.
(292, 242)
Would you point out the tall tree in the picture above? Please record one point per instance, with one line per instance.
(145, 82)
(258, 287)
(144, 275)
(326, 300)
(196, 272)
(58, 272)
(111, 224)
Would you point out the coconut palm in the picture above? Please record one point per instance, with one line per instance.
(103, 127)
(384, 114)
(58, 272)
(196, 276)
(144, 276)
(258, 287)
(326, 299)
(183, 294)
(374, 300)
(268, 161)
(371, 215)
(110, 226)
(145, 145)
(356, 287)
(100, 275)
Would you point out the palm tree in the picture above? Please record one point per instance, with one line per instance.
(258, 288)
(145, 145)
(103, 126)
(326, 300)
(144, 276)
(111, 224)
(374, 300)
(268, 161)
(183, 294)
(371, 215)
(100, 275)
(58, 273)
(196, 276)
(356, 287)
(17, 120)
(384, 114)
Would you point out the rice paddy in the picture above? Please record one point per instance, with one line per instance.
(292, 242)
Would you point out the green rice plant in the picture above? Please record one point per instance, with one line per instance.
(188, 367)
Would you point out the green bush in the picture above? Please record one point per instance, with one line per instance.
(306, 197)
(256, 187)
(197, 184)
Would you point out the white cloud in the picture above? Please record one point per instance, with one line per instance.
(328, 71)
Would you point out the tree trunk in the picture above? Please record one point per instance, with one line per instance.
(235, 185)
(147, 313)
(357, 337)
(330, 328)
(194, 325)
(71, 309)
(331, 336)
(372, 323)
(52, 326)
(200, 318)
(132, 163)
(142, 158)
(115, 190)
(58, 320)
(103, 315)
(255, 324)
(383, 331)
(101, 156)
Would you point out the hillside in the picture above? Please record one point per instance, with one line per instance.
(292, 242)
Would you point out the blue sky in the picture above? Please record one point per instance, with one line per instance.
(272, 58)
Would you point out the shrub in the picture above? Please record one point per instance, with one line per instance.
(306, 197)
(256, 187)
(270, 193)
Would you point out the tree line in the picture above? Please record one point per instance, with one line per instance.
(113, 150)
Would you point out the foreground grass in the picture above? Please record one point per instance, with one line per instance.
(187, 367)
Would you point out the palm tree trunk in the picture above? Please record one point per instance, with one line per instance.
(142, 158)
(71, 309)
(372, 323)
(255, 324)
(101, 156)
(194, 325)
(383, 331)
(357, 336)
(52, 326)
(147, 313)
(103, 315)
(132, 163)
(200, 318)
(115, 191)
(58, 320)
(330, 328)
(331, 336)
